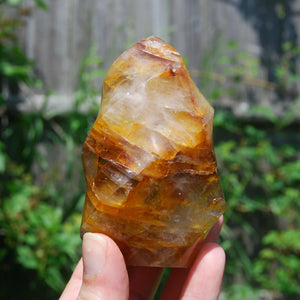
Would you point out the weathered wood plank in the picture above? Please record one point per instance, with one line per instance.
(58, 39)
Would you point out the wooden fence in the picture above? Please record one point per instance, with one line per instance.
(59, 38)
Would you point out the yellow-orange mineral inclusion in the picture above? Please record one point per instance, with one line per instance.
(151, 175)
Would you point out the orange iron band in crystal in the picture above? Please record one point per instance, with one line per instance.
(151, 175)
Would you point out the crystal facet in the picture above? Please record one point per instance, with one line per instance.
(151, 175)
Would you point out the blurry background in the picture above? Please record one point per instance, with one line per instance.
(244, 57)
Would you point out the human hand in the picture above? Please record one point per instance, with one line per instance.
(102, 274)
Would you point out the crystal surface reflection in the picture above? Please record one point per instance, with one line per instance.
(151, 174)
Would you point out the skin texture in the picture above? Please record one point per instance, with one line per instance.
(101, 273)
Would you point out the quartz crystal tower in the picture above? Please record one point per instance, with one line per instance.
(151, 174)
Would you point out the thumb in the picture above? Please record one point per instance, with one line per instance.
(104, 271)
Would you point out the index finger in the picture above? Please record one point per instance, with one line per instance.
(178, 276)
(72, 289)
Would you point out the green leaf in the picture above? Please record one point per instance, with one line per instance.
(289, 239)
(54, 278)
(239, 291)
(232, 45)
(186, 60)
(2, 161)
(41, 4)
(263, 111)
(269, 253)
(11, 70)
(27, 258)
(14, 2)
(224, 60)
(287, 46)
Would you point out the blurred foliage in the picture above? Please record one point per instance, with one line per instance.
(39, 218)
(35, 231)
(260, 172)
(15, 3)
(259, 167)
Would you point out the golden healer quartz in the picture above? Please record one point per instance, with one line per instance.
(151, 175)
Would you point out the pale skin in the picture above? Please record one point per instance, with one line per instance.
(101, 274)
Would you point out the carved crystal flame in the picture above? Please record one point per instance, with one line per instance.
(151, 174)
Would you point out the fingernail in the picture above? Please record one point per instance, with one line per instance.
(93, 253)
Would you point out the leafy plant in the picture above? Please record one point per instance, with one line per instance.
(260, 176)
(90, 75)
(278, 263)
(34, 230)
(40, 215)
(39, 230)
